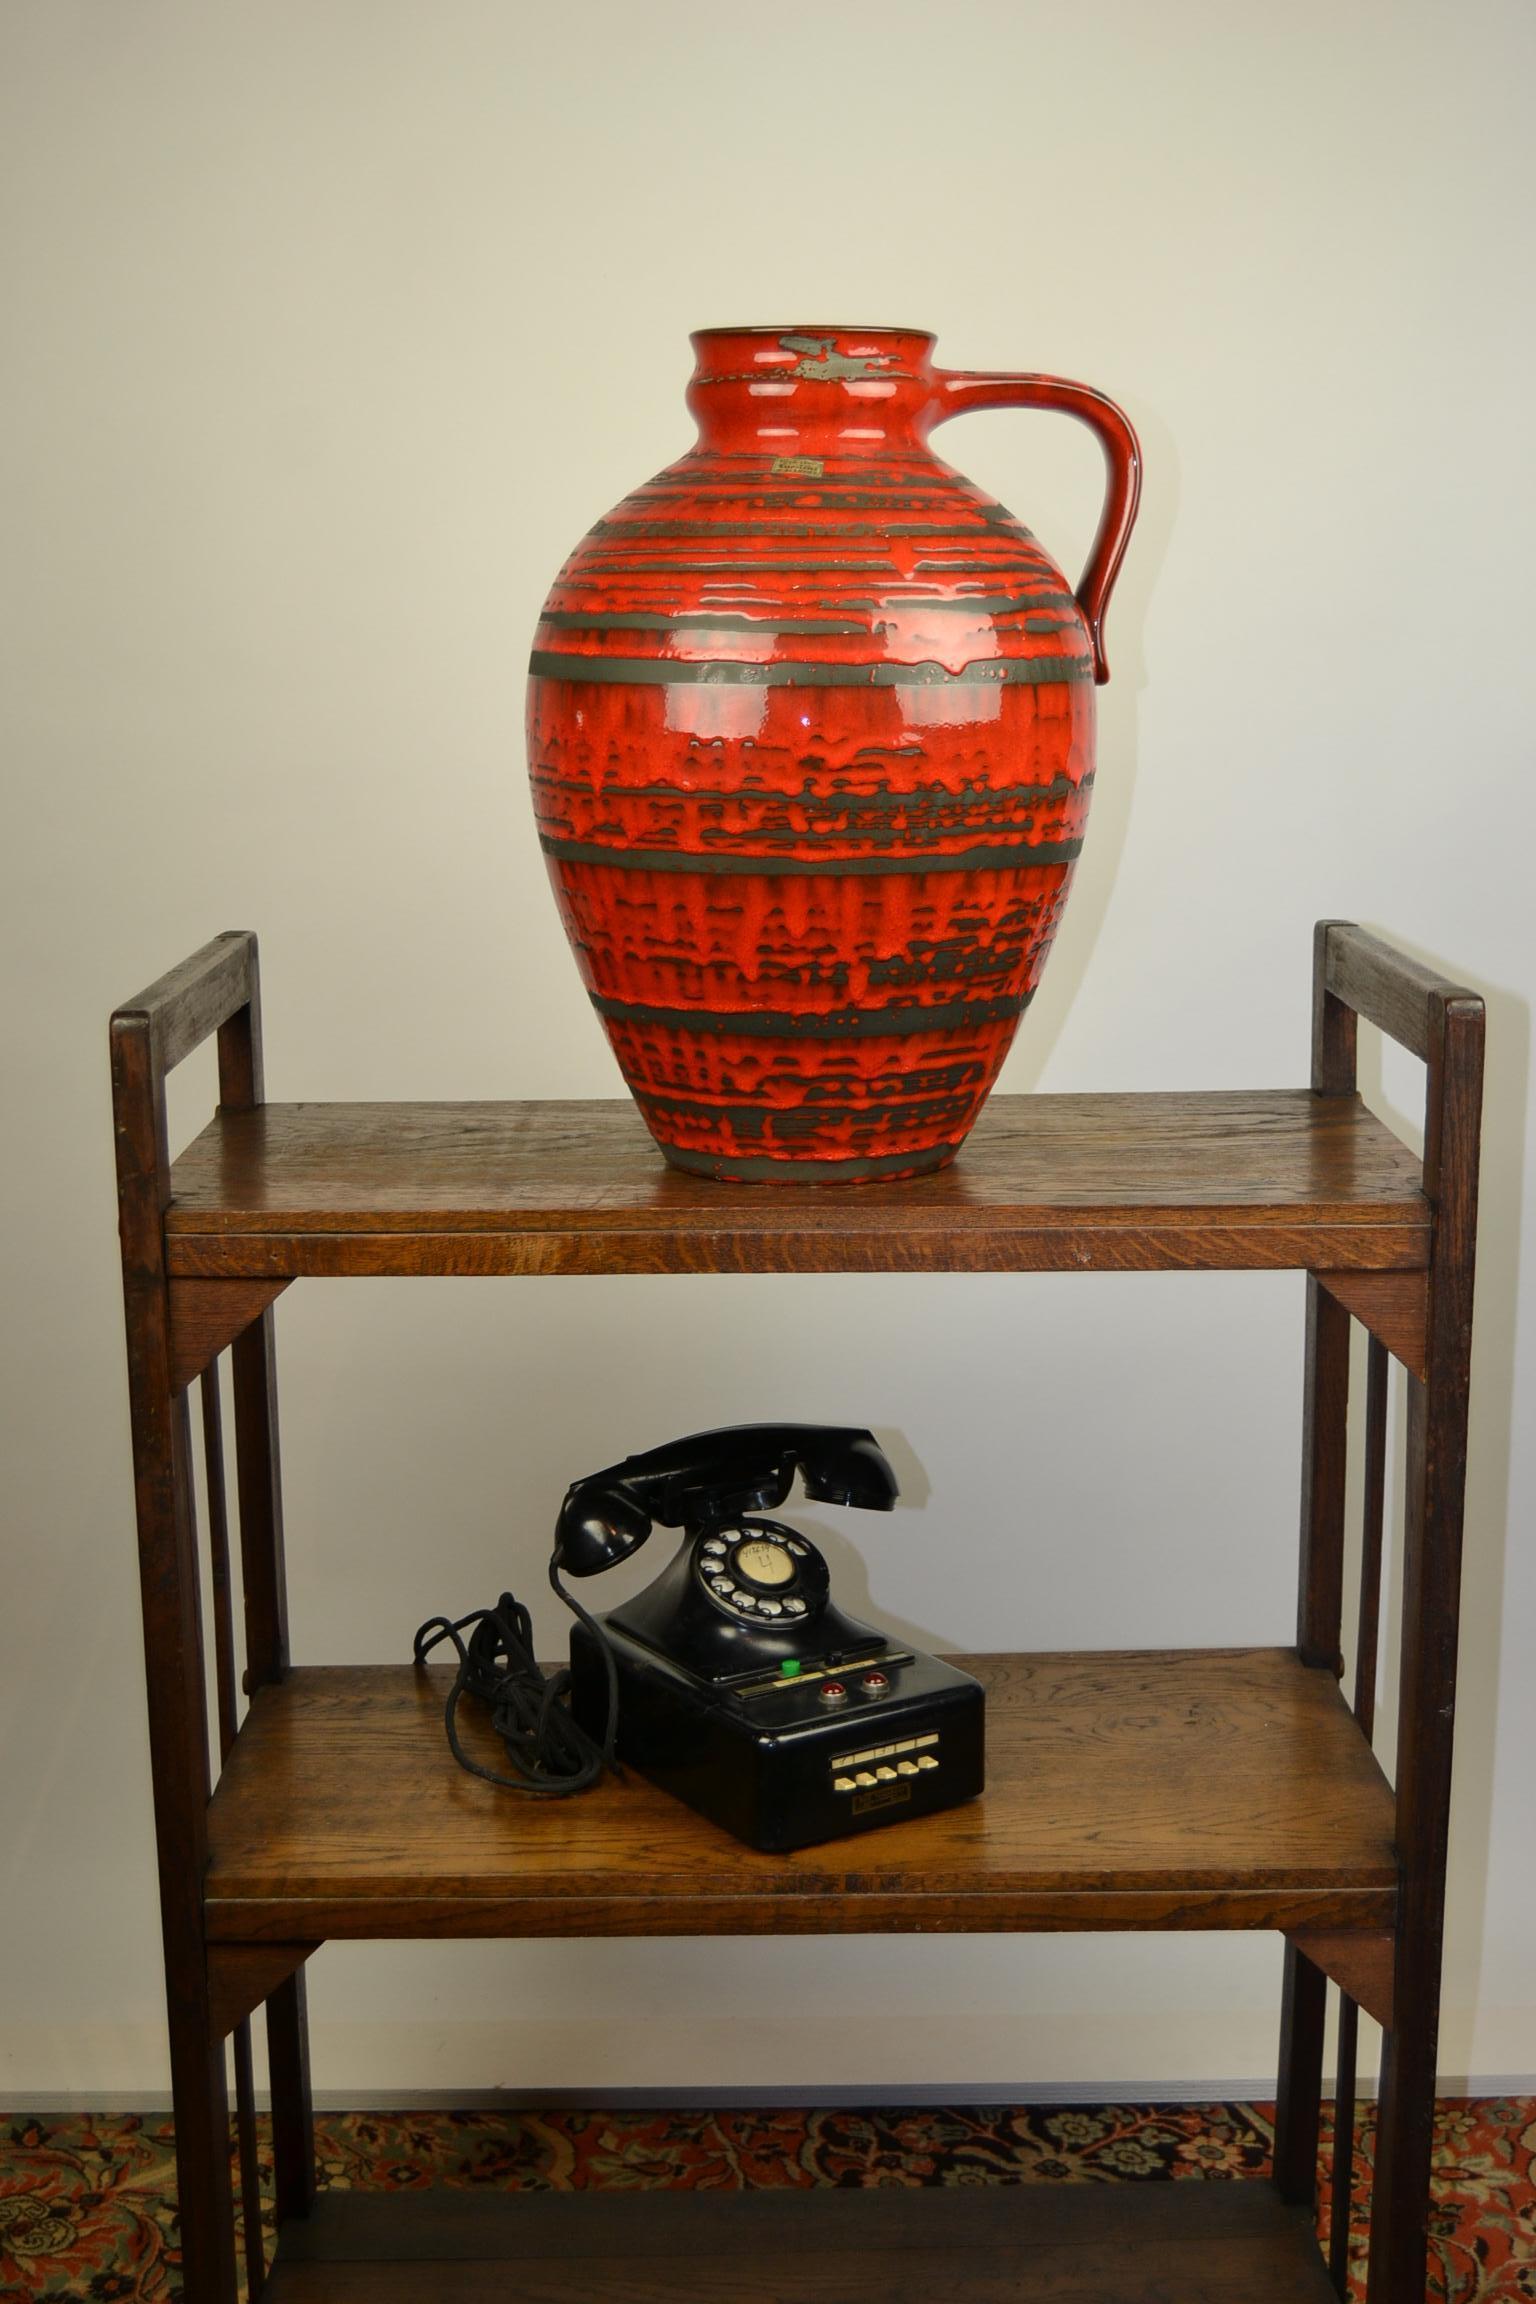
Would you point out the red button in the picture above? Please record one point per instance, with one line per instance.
(833, 1692)
(874, 1683)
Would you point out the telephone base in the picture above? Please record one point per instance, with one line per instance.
(776, 1763)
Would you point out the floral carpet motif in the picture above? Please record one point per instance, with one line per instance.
(87, 2205)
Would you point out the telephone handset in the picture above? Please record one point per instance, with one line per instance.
(715, 1476)
(734, 1680)
(743, 1594)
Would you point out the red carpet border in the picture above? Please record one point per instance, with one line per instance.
(87, 2211)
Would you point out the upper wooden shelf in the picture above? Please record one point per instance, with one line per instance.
(1216, 1181)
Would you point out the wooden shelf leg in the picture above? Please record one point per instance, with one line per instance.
(174, 1669)
(1435, 1490)
(1406, 2113)
(179, 1753)
(205, 2199)
(293, 2127)
(1298, 2107)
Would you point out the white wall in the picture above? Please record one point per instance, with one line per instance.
(330, 325)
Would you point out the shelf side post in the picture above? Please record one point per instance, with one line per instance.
(1434, 1499)
(173, 1655)
(242, 1087)
(1320, 1601)
(1443, 1025)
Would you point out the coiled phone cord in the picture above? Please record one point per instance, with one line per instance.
(549, 1754)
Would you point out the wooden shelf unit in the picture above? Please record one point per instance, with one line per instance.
(1180, 1789)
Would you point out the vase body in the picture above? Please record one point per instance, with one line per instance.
(811, 737)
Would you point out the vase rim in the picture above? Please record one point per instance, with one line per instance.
(812, 328)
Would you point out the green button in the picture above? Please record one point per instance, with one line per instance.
(789, 1667)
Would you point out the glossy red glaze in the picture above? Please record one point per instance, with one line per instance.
(810, 728)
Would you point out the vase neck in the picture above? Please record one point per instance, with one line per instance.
(811, 391)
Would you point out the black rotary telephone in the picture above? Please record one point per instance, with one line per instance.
(734, 1680)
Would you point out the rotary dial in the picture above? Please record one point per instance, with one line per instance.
(762, 1573)
(762, 1562)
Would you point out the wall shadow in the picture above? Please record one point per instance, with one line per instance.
(1117, 767)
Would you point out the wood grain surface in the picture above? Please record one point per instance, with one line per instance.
(1392, 1306)
(1145, 1182)
(207, 1316)
(1203, 1789)
(195, 998)
(1372, 978)
(1211, 2243)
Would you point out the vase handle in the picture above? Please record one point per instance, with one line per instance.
(960, 389)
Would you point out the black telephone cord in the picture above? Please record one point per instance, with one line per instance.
(549, 1753)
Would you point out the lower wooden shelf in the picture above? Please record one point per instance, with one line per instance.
(1177, 1789)
(1194, 2242)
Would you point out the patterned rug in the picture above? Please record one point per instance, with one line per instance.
(86, 2205)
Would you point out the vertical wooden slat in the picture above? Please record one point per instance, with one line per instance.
(1367, 1649)
(1324, 1469)
(1303, 2013)
(229, 1723)
(1435, 1496)
(1320, 1600)
(1325, 1398)
(218, 1557)
(1342, 2191)
(259, 1489)
(242, 1086)
(250, 2164)
(174, 1664)
(1373, 1516)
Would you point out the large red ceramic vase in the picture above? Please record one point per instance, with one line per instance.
(810, 728)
